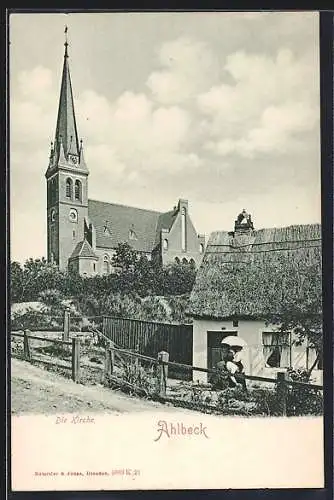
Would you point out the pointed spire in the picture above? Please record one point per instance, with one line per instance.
(66, 122)
(66, 150)
(81, 156)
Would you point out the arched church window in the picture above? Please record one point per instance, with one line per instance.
(184, 261)
(165, 244)
(201, 248)
(69, 187)
(177, 260)
(78, 190)
(105, 269)
(192, 263)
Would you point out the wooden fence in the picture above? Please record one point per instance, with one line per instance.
(28, 355)
(161, 361)
(281, 381)
(149, 338)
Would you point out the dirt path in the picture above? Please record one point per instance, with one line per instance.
(35, 390)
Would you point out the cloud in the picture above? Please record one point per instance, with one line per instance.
(188, 68)
(266, 105)
(36, 84)
(280, 131)
(142, 135)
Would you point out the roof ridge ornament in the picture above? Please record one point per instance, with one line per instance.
(243, 222)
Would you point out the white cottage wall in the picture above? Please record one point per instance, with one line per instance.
(250, 331)
(253, 360)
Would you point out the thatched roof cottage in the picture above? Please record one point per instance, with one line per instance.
(246, 277)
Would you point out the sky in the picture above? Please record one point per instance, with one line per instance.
(219, 108)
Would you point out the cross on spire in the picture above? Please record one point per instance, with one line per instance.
(66, 41)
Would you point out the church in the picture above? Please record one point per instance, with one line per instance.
(82, 234)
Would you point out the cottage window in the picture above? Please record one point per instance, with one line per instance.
(277, 349)
(69, 187)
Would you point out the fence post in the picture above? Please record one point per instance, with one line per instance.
(66, 332)
(75, 359)
(162, 372)
(281, 389)
(26, 345)
(137, 359)
(109, 361)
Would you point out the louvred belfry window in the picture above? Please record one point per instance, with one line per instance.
(78, 190)
(69, 188)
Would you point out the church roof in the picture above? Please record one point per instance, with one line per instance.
(249, 274)
(83, 250)
(116, 224)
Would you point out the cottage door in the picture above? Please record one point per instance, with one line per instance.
(214, 340)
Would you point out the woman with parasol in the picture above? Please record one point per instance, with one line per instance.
(233, 360)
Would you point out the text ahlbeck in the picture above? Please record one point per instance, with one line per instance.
(179, 429)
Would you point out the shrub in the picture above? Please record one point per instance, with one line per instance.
(51, 298)
(135, 374)
(303, 400)
(35, 320)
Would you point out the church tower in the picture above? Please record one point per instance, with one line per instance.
(67, 180)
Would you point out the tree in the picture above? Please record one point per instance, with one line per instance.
(125, 257)
(16, 282)
(144, 276)
(36, 276)
(178, 279)
(298, 306)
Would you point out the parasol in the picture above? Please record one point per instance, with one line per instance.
(233, 340)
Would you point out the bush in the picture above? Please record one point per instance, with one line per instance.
(303, 400)
(51, 298)
(35, 320)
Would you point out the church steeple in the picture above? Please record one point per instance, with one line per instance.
(66, 150)
(66, 179)
(66, 130)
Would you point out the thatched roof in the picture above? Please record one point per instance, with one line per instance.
(251, 273)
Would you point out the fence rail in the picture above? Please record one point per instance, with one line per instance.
(161, 361)
(75, 351)
(212, 371)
